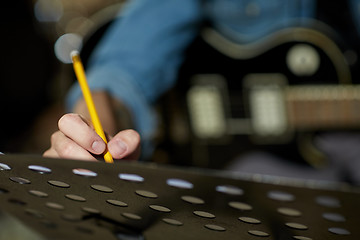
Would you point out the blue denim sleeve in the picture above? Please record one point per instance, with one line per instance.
(355, 12)
(138, 57)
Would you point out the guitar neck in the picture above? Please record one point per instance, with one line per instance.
(323, 107)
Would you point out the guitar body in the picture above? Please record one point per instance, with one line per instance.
(271, 95)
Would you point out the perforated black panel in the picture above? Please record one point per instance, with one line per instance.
(68, 199)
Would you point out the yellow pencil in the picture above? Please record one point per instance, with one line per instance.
(81, 77)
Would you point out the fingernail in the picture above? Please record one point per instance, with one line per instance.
(120, 148)
(98, 146)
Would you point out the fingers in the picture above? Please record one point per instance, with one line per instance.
(51, 153)
(77, 129)
(76, 139)
(125, 145)
(64, 147)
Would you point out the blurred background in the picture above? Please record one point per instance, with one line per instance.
(202, 121)
(35, 74)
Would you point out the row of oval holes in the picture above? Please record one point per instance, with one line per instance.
(179, 183)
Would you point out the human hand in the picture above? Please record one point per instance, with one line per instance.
(77, 139)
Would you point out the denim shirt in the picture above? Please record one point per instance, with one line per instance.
(139, 56)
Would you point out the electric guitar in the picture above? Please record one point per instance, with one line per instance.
(274, 94)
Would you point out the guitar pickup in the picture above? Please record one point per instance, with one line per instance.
(267, 107)
(208, 106)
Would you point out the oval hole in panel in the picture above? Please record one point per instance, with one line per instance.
(117, 203)
(131, 177)
(179, 183)
(215, 227)
(339, 231)
(228, 189)
(328, 201)
(173, 222)
(39, 169)
(4, 167)
(281, 196)
(38, 193)
(20, 180)
(84, 172)
(58, 184)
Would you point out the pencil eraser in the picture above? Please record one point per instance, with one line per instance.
(74, 53)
